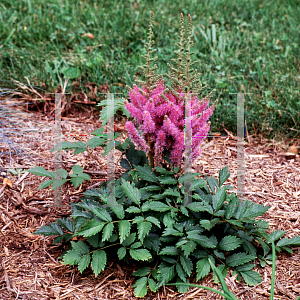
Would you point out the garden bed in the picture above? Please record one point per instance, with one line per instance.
(30, 268)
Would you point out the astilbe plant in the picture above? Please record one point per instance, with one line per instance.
(159, 109)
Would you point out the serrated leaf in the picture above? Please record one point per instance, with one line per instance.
(143, 229)
(218, 254)
(294, 241)
(118, 210)
(168, 220)
(248, 209)
(78, 180)
(182, 288)
(61, 173)
(209, 224)
(152, 285)
(172, 231)
(236, 223)
(66, 224)
(156, 206)
(169, 250)
(90, 228)
(98, 193)
(231, 207)
(238, 259)
(133, 210)
(169, 259)
(200, 206)
(124, 229)
(80, 246)
(146, 173)
(79, 147)
(101, 213)
(151, 188)
(229, 243)
(198, 183)
(223, 175)
(140, 254)
(165, 275)
(72, 257)
(131, 192)
(184, 211)
(142, 272)
(180, 272)
(251, 277)
(154, 221)
(64, 146)
(107, 231)
(93, 240)
(187, 177)
(140, 287)
(99, 261)
(121, 252)
(158, 196)
(188, 247)
(212, 182)
(45, 184)
(276, 235)
(171, 192)
(166, 179)
(129, 240)
(136, 245)
(138, 219)
(95, 142)
(161, 170)
(98, 131)
(203, 268)
(51, 229)
(186, 264)
(245, 267)
(40, 171)
(218, 198)
(202, 240)
(152, 242)
(84, 263)
(57, 183)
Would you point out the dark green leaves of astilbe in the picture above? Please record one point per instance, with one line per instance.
(177, 241)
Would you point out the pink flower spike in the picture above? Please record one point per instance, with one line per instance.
(148, 125)
(135, 137)
(135, 112)
(171, 129)
(159, 147)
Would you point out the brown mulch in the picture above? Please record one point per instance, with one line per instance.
(29, 266)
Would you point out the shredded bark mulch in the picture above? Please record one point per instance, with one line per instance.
(29, 265)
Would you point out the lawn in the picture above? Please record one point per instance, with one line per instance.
(248, 46)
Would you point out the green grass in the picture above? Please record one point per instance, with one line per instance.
(249, 43)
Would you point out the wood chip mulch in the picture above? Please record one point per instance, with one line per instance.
(29, 266)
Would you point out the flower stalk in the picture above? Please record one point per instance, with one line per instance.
(159, 108)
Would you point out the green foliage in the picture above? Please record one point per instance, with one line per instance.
(77, 177)
(252, 277)
(214, 232)
(118, 106)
